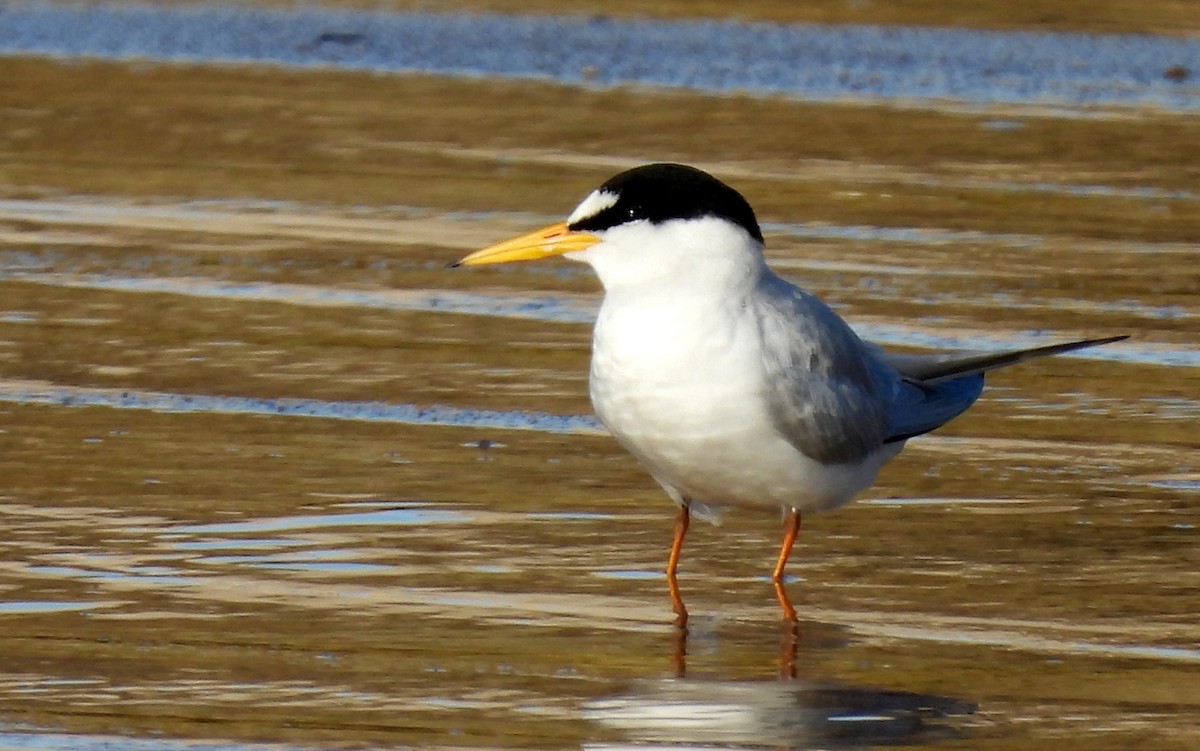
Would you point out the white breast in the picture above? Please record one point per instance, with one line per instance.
(678, 382)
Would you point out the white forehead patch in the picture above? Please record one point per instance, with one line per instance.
(597, 201)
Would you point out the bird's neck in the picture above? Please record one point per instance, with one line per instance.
(683, 264)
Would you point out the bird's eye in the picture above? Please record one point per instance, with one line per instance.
(634, 212)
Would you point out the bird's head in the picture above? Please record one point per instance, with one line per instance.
(650, 221)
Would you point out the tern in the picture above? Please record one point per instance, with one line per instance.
(732, 386)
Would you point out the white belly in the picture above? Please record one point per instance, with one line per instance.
(681, 390)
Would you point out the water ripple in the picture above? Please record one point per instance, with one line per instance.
(24, 738)
(409, 414)
(573, 309)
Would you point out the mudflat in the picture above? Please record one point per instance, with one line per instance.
(272, 476)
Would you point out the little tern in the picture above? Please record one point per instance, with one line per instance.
(732, 386)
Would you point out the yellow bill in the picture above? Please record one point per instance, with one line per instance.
(543, 243)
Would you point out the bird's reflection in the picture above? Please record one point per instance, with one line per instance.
(789, 647)
(788, 712)
(798, 713)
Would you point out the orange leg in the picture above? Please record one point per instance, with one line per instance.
(790, 530)
(681, 528)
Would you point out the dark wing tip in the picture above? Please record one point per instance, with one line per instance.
(952, 365)
(1054, 349)
(1104, 340)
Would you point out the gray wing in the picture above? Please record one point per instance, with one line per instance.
(826, 394)
(837, 399)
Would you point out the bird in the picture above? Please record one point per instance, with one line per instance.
(732, 386)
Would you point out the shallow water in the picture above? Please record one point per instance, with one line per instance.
(815, 62)
(273, 477)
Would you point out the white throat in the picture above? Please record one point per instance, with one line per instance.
(685, 254)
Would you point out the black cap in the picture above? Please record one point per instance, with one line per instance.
(660, 192)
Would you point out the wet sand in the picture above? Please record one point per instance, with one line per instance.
(272, 476)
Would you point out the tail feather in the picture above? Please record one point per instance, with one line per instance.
(934, 368)
(937, 388)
